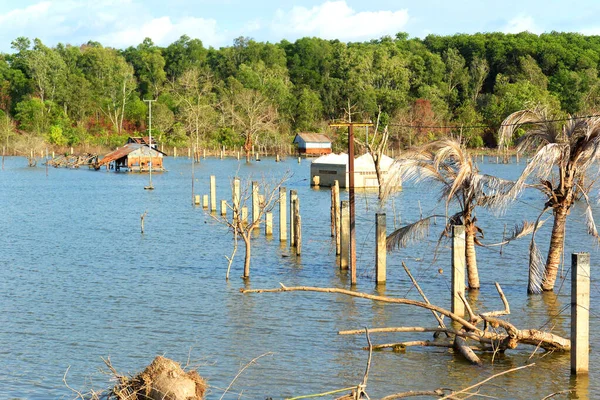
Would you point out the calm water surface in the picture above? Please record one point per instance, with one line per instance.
(79, 282)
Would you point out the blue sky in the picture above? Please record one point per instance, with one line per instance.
(122, 23)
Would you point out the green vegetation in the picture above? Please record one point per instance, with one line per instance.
(262, 93)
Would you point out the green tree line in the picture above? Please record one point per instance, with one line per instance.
(262, 93)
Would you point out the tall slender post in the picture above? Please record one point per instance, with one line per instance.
(193, 162)
(282, 214)
(223, 207)
(236, 198)
(352, 205)
(580, 313)
(213, 193)
(293, 197)
(345, 235)
(297, 227)
(380, 252)
(336, 186)
(255, 203)
(458, 268)
(150, 187)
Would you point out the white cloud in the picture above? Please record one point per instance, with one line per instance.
(522, 23)
(163, 31)
(336, 20)
(115, 23)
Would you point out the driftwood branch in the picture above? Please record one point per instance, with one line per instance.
(499, 341)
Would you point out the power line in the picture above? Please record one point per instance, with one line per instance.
(489, 126)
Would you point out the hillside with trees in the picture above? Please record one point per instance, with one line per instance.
(263, 93)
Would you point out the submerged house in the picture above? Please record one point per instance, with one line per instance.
(332, 167)
(136, 156)
(312, 144)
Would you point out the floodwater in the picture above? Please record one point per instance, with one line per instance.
(78, 281)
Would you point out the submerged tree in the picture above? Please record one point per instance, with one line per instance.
(563, 156)
(448, 164)
(238, 223)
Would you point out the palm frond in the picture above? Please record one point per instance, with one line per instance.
(521, 230)
(537, 266)
(536, 269)
(407, 234)
(590, 223)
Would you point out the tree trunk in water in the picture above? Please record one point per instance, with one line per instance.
(557, 241)
(246, 237)
(472, 273)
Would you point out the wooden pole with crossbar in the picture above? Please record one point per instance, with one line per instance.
(351, 126)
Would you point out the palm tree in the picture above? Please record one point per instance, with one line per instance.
(448, 164)
(563, 155)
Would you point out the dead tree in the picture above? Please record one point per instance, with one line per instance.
(239, 226)
(481, 332)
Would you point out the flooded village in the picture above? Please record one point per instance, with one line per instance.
(381, 215)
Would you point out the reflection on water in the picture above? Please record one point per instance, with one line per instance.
(78, 282)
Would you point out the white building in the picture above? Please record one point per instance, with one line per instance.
(332, 167)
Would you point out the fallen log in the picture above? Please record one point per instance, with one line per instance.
(499, 341)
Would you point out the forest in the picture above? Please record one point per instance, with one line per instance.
(264, 93)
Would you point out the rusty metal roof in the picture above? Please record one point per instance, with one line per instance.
(141, 140)
(124, 151)
(309, 137)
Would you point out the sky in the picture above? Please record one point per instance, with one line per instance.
(124, 23)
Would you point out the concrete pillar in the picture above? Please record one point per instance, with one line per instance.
(205, 201)
(345, 235)
(282, 214)
(269, 224)
(223, 207)
(459, 262)
(293, 197)
(380, 248)
(213, 193)
(255, 202)
(236, 198)
(580, 313)
(244, 215)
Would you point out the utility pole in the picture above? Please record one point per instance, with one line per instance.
(351, 126)
(149, 187)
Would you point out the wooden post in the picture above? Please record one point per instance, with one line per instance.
(338, 217)
(223, 207)
(299, 160)
(580, 313)
(298, 220)
(197, 199)
(255, 202)
(345, 235)
(269, 224)
(316, 181)
(236, 198)
(205, 201)
(213, 193)
(297, 227)
(293, 197)
(175, 152)
(282, 214)
(458, 268)
(204, 153)
(71, 150)
(332, 212)
(189, 152)
(277, 158)
(380, 246)
(238, 156)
